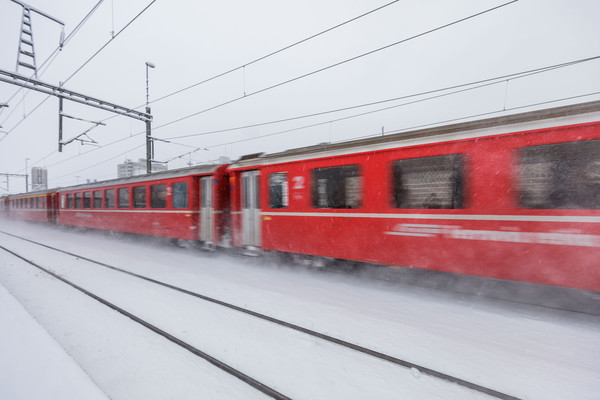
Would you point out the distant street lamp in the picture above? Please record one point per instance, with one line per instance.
(151, 65)
(149, 143)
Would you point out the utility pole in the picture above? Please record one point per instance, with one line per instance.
(26, 176)
(7, 179)
(149, 142)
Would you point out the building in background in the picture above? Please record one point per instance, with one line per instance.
(133, 168)
(39, 178)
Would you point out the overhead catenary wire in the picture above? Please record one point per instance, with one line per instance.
(54, 54)
(108, 42)
(306, 75)
(87, 61)
(505, 109)
(491, 81)
(457, 89)
(361, 137)
(273, 53)
(357, 57)
(469, 86)
(281, 50)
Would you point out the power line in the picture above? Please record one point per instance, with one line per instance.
(53, 55)
(267, 55)
(110, 40)
(276, 51)
(457, 89)
(404, 129)
(288, 47)
(333, 65)
(101, 162)
(361, 137)
(495, 80)
(86, 62)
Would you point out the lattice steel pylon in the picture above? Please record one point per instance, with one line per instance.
(26, 49)
(26, 54)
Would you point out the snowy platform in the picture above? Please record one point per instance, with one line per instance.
(32, 364)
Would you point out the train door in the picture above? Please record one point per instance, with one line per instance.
(51, 204)
(206, 209)
(250, 209)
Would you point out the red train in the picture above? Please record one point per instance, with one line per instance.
(514, 197)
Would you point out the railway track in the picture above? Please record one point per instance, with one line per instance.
(218, 363)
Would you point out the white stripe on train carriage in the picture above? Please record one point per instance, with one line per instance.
(409, 234)
(88, 210)
(453, 217)
(457, 232)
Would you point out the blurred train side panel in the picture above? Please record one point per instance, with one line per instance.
(512, 198)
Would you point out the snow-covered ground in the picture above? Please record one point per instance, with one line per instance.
(32, 364)
(66, 340)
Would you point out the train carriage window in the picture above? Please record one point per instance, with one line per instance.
(560, 176)
(428, 182)
(87, 199)
(158, 196)
(245, 189)
(123, 197)
(278, 190)
(109, 198)
(77, 200)
(97, 199)
(70, 200)
(139, 197)
(180, 195)
(337, 187)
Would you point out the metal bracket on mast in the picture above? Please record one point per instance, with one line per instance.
(89, 140)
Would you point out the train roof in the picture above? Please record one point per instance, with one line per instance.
(35, 193)
(195, 170)
(176, 173)
(531, 120)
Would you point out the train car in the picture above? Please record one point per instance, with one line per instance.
(3, 206)
(514, 198)
(39, 206)
(187, 204)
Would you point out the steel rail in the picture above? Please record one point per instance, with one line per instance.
(331, 339)
(214, 361)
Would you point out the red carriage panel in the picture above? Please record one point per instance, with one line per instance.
(34, 206)
(475, 210)
(162, 204)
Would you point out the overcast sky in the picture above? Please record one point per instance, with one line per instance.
(192, 41)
